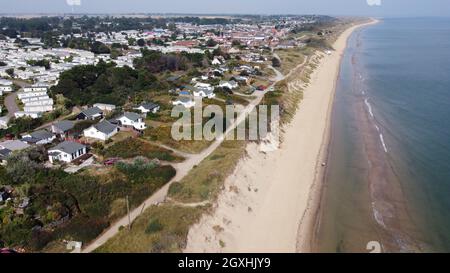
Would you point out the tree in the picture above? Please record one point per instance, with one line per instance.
(10, 72)
(276, 62)
(211, 43)
(172, 27)
(100, 48)
(236, 43)
(141, 42)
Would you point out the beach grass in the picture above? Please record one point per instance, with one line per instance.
(205, 181)
(160, 229)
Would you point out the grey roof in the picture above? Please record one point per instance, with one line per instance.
(64, 125)
(41, 134)
(30, 140)
(68, 147)
(14, 145)
(92, 111)
(105, 127)
(4, 153)
(131, 116)
(149, 105)
(184, 99)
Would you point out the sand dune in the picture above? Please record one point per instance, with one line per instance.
(268, 202)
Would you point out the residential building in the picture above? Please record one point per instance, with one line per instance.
(148, 107)
(103, 130)
(130, 119)
(66, 151)
(91, 113)
(39, 137)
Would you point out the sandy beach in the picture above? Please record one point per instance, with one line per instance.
(270, 201)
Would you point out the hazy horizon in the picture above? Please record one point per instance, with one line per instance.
(375, 8)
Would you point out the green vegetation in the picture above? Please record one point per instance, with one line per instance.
(140, 170)
(160, 229)
(88, 84)
(204, 182)
(162, 134)
(69, 206)
(133, 147)
(43, 63)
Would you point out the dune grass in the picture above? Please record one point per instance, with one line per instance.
(160, 229)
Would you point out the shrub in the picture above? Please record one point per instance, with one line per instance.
(154, 226)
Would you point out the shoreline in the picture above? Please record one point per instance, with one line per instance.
(269, 202)
(310, 223)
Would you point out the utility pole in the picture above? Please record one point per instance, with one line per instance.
(128, 212)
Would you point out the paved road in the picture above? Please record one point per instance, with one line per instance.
(10, 99)
(11, 105)
(182, 169)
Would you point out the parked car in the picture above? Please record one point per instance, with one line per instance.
(111, 161)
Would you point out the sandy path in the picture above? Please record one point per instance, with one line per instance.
(270, 192)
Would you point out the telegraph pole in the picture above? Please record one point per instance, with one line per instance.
(128, 212)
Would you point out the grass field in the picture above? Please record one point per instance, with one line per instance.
(159, 229)
(132, 147)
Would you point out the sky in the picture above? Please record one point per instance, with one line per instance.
(384, 8)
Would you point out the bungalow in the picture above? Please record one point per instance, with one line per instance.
(4, 122)
(62, 127)
(4, 89)
(38, 108)
(66, 151)
(4, 153)
(216, 62)
(130, 119)
(229, 84)
(105, 107)
(204, 93)
(91, 113)
(32, 115)
(39, 137)
(204, 85)
(148, 107)
(102, 130)
(13, 145)
(24, 95)
(184, 101)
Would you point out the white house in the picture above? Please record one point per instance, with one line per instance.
(204, 93)
(216, 62)
(229, 84)
(23, 95)
(66, 151)
(148, 107)
(35, 88)
(204, 85)
(39, 137)
(130, 119)
(105, 107)
(102, 130)
(38, 108)
(13, 145)
(184, 101)
(4, 122)
(5, 89)
(33, 115)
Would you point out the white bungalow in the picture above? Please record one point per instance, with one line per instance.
(66, 151)
(103, 130)
(130, 119)
(105, 107)
(184, 101)
(32, 115)
(148, 107)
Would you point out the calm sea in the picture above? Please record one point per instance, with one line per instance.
(388, 177)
